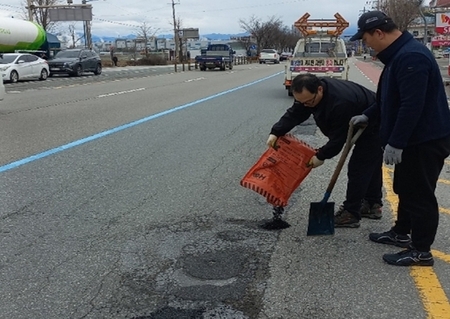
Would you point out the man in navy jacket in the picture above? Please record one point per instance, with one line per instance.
(332, 103)
(414, 121)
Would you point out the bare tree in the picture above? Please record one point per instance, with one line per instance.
(41, 15)
(146, 33)
(179, 26)
(285, 39)
(264, 32)
(403, 12)
(73, 35)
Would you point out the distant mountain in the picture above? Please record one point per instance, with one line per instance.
(210, 36)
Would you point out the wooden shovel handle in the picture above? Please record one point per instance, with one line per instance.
(348, 146)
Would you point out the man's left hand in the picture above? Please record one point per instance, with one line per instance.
(392, 155)
(314, 162)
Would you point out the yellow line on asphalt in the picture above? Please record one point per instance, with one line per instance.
(444, 210)
(433, 296)
(442, 181)
(441, 255)
(391, 197)
(447, 162)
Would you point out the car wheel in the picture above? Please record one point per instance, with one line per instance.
(44, 75)
(98, 69)
(14, 77)
(78, 70)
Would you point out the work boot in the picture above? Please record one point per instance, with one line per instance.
(343, 218)
(390, 237)
(372, 212)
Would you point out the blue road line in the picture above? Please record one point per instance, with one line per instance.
(58, 149)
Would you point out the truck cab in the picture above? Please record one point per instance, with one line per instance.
(320, 52)
(216, 56)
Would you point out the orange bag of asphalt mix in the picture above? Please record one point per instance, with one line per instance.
(278, 173)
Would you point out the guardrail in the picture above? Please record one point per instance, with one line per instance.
(125, 61)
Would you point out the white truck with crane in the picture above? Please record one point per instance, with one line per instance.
(319, 51)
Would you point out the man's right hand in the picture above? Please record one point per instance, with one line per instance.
(272, 141)
(359, 120)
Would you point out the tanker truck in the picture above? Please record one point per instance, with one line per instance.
(16, 34)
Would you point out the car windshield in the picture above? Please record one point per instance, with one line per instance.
(218, 47)
(67, 54)
(5, 59)
(268, 51)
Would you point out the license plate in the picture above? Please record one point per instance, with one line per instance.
(55, 69)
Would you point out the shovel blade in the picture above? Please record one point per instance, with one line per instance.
(321, 219)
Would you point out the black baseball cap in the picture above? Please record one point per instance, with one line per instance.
(370, 20)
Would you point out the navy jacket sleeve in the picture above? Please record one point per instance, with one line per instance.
(336, 132)
(412, 76)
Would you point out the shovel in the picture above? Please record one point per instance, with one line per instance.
(321, 214)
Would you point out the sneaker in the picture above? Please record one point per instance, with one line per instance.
(343, 218)
(410, 257)
(373, 212)
(391, 238)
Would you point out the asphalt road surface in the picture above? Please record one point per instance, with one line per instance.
(120, 198)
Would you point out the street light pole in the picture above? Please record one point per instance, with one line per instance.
(425, 25)
(175, 35)
(87, 28)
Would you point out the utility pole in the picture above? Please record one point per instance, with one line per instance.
(175, 35)
(425, 25)
(87, 30)
(30, 10)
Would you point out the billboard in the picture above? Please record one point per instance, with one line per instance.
(443, 23)
(440, 41)
(70, 14)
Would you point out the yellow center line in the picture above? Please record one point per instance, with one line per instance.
(433, 296)
(442, 181)
(444, 210)
(441, 255)
(447, 162)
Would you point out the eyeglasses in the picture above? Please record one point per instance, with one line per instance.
(311, 101)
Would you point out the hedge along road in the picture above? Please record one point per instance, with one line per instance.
(150, 221)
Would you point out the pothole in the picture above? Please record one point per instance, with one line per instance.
(215, 265)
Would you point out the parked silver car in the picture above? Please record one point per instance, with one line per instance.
(21, 66)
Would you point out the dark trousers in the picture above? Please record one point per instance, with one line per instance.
(415, 180)
(365, 177)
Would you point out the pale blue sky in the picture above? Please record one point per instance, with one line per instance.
(121, 17)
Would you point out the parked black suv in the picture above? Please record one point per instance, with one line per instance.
(75, 62)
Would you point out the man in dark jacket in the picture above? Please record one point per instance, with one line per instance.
(415, 133)
(332, 103)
